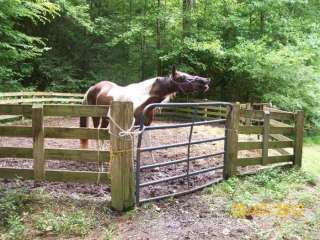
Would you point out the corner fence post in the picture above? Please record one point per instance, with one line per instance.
(298, 143)
(38, 143)
(121, 152)
(231, 142)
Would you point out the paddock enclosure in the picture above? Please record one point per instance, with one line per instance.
(188, 147)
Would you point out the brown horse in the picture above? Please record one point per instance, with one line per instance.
(154, 90)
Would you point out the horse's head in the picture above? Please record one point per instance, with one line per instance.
(186, 83)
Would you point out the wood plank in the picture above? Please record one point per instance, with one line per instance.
(265, 137)
(31, 94)
(15, 152)
(9, 118)
(259, 130)
(250, 130)
(41, 100)
(15, 109)
(248, 120)
(231, 142)
(10, 173)
(77, 155)
(243, 162)
(258, 145)
(258, 114)
(77, 133)
(15, 131)
(276, 123)
(298, 145)
(76, 110)
(77, 176)
(38, 143)
(122, 174)
(57, 175)
(279, 137)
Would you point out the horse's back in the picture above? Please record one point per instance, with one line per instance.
(101, 88)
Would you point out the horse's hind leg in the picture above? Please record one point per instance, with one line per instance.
(104, 122)
(104, 125)
(96, 122)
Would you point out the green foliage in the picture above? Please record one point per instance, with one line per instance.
(267, 185)
(66, 223)
(13, 204)
(17, 47)
(253, 50)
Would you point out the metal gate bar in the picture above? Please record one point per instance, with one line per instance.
(148, 149)
(179, 125)
(163, 164)
(180, 176)
(181, 193)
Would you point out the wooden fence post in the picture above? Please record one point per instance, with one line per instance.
(122, 174)
(231, 142)
(298, 143)
(248, 120)
(38, 143)
(266, 135)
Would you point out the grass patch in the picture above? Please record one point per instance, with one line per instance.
(14, 204)
(311, 159)
(28, 214)
(288, 199)
(65, 223)
(265, 186)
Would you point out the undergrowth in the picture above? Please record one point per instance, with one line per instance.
(289, 199)
(14, 205)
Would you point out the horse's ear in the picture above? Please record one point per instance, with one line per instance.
(174, 72)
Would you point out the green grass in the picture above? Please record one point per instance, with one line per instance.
(65, 223)
(311, 159)
(26, 214)
(14, 204)
(287, 199)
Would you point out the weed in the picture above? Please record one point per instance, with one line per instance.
(12, 203)
(75, 223)
(110, 233)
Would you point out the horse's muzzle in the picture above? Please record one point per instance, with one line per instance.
(203, 83)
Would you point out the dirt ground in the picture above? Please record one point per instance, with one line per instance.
(188, 217)
(151, 138)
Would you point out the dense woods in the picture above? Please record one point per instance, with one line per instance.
(253, 50)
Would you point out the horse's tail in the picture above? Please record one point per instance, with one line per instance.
(84, 122)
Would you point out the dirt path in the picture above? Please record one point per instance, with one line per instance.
(190, 217)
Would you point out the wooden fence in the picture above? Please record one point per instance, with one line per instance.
(36, 97)
(274, 130)
(40, 154)
(279, 134)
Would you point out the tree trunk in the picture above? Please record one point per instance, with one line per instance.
(159, 72)
(186, 20)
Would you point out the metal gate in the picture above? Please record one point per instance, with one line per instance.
(194, 121)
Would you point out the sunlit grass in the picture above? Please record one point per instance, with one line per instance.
(311, 159)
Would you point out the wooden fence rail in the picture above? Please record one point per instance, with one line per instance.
(252, 119)
(277, 130)
(276, 135)
(123, 181)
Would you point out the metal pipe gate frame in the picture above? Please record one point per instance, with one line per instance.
(191, 124)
